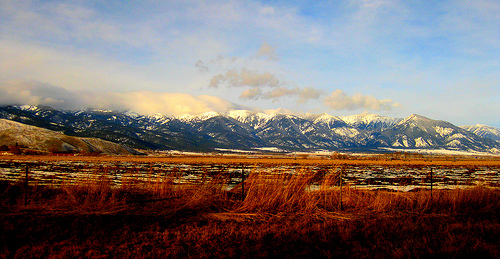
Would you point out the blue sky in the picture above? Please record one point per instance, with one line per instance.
(394, 58)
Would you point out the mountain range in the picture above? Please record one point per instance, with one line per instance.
(246, 130)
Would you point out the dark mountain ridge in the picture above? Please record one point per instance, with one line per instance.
(245, 130)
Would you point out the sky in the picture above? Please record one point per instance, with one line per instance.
(439, 59)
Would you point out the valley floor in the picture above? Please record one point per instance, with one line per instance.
(273, 159)
(272, 216)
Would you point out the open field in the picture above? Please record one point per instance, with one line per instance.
(226, 207)
(273, 159)
(401, 173)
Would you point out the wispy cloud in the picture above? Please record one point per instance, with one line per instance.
(202, 68)
(145, 102)
(267, 86)
(268, 51)
(252, 93)
(20, 92)
(338, 100)
(303, 94)
(235, 78)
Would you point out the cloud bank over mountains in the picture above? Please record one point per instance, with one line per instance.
(143, 102)
(20, 92)
(256, 76)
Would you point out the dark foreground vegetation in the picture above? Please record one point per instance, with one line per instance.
(273, 216)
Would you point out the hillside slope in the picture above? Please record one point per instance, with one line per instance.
(14, 133)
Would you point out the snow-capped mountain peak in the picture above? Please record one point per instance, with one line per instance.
(199, 117)
(243, 129)
(327, 118)
(157, 117)
(370, 121)
(415, 118)
(484, 131)
(240, 115)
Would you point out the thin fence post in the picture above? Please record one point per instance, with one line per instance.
(324, 192)
(431, 182)
(242, 183)
(340, 185)
(26, 169)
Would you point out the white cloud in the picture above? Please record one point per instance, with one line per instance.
(19, 92)
(267, 10)
(252, 93)
(339, 100)
(235, 78)
(14, 92)
(78, 70)
(145, 102)
(276, 93)
(303, 94)
(202, 68)
(308, 93)
(268, 51)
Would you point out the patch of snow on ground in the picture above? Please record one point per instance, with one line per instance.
(271, 149)
(234, 150)
(440, 152)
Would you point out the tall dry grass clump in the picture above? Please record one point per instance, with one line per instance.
(278, 193)
(471, 200)
(206, 195)
(272, 193)
(93, 194)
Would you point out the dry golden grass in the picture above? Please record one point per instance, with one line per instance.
(269, 160)
(279, 215)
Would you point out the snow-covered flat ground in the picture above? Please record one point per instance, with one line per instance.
(397, 177)
(444, 152)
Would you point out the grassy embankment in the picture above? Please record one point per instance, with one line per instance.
(277, 217)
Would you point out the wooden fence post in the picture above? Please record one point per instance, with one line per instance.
(431, 183)
(26, 169)
(340, 185)
(242, 183)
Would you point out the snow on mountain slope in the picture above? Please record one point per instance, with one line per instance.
(253, 119)
(241, 115)
(328, 120)
(189, 118)
(370, 121)
(417, 131)
(443, 132)
(484, 131)
(157, 117)
(243, 129)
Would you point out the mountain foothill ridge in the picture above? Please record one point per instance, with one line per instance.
(248, 130)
